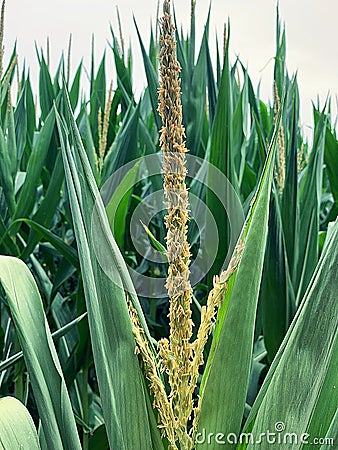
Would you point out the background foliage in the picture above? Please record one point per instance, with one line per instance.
(52, 165)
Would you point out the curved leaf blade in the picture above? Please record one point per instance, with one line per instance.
(119, 376)
(303, 375)
(42, 362)
(223, 403)
(17, 428)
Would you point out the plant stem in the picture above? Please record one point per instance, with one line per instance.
(178, 252)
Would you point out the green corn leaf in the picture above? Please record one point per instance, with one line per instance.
(117, 207)
(277, 295)
(290, 202)
(152, 79)
(240, 131)
(231, 352)
(310, 191)
(75, 88)
(30, 111)
(329, 439)
(326, 404)
(60, 245)
(87, 136)
(36, 162)
(46, 211)
(331, 161)
(11, 143)
(119, 376)
(212, 94)
(277, 291)
(59, 71)
(153, 49)
(122, 71)
(46, 90)
(17, 430)
(300, 388)
(97, 98)
(50, 391)
(6, 179)
(218, 64)
(20, 119)
(125, 147)
(221, 156)
(194, 103)
(280, 66)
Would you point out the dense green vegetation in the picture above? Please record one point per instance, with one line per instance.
(272, 356)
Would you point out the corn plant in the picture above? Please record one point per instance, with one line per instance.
(249, 348)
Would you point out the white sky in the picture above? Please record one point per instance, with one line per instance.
(311, 35)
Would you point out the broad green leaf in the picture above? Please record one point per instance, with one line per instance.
(303, 376)
(75, 88)
(290, 197)
(124, 79)
(327, 402)
(31, 113)
(97, 98)
(277, 296)
(280, 67)
(36, 163)
(11, 143)
(212, 94)
(220, 155)
(48, 206)
(223, 401)
(87, 136)
(125, 146)
(17, 430)
(153, 47)
(60, 70)
(152, 79)
(6, 179)
(20, 119)
(50, 391)
(117, 207)
(277, 292)
(194, 103)
(67, 251)
(46, 90)
(331, 161)
(310, 192)
(332, 431)
(119, 376)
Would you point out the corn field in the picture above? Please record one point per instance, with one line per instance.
(168, 263)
